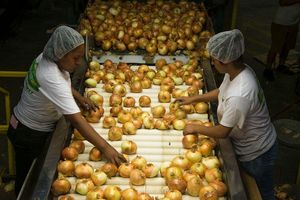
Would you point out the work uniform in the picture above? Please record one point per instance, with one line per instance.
(46, 96)
(242, 107)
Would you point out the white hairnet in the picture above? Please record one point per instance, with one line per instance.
(63, 40)
(226, 46)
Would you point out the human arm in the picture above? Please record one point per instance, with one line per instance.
(207, 97)
(288, 2)
(92, 136)
(235, 113)
(218, 131)
(83, 101)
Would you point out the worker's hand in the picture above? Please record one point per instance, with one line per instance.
(190, 129)
(87, 104)
(112, 156)
(184, 100)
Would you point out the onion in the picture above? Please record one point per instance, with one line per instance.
(95, 154)
(129, 194)
(144, 101)
(108, 122)
(180, 114)
(83, 170)
(162, 49)
(110, 169)
(160, 124)
(136, 87)
(146, 83)
(90, 82)
(193, 155)
(115, 133)
(60, 186)
(83, 186)
(164, 97)
(96, 193)
(136, 112)
(220, 187)
(177, 184)
(188, 175)
(173, 195)
(173, 172)
(115, 100)
(128, 147)
(70, 153)
(189, 109)
(97, 99)
(198, 168)
(99, 177)
(205, 148)
(160, 63)
(112, 192)
(66, 168)
(142, 43)
(208, 193)
(151, 48)
(150, 170)
(144, 196)
(106, 45)
(124, 116)
(137, 177)
(94, 65)
(139, 162)
(125, 169)
(78, 145)
(189, 141)
(129, 102)
(94, 116)
(211, 162)
(181, 161)
(129, 128)
(132, 46)
(114, 111)
(194, 185)
(169, 118)
(213, 174)
(158, 111)
(201, 107)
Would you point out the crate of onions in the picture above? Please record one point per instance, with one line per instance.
(139, 116)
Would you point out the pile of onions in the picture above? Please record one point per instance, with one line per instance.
(163, 27)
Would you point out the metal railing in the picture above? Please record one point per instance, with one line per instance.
(3, 128)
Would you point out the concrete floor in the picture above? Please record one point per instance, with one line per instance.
(254, 20)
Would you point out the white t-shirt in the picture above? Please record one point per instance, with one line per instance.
(242, 106)
(46, 96)
(287, 15)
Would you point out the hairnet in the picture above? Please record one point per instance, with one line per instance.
(63, 40)
(226, 46)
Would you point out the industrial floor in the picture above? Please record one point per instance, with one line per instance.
(254, 20)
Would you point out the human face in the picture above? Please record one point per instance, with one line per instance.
(71, 60)
(218, 65)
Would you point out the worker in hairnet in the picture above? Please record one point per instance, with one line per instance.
(48, 95)
(242, 111)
